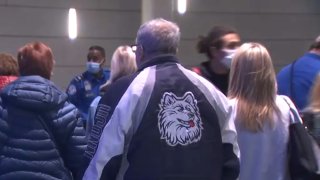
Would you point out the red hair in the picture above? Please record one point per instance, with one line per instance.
(35, 58)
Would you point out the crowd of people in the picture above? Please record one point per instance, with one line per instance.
(149, 117)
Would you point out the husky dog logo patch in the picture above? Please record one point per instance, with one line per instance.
(179, 119)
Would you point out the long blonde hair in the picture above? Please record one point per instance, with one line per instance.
(123, 63)
(314, 99)
(253, 84)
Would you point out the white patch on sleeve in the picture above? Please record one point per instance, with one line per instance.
(87, 85)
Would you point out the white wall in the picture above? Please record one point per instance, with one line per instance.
(108, 23)
(286, 27)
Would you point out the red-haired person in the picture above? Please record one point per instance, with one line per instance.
(9, 70)
(41, 136)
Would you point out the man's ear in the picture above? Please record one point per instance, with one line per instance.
(139, 54)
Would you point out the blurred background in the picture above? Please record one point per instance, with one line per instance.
(285, 27)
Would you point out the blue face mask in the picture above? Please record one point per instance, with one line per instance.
(93, 67)
(227, 60)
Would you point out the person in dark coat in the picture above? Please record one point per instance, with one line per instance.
(41, 133)
(219, 46)
(85, 87)
(163, 121)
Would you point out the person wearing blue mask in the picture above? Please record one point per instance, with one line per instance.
(219, 46)
(85, 87)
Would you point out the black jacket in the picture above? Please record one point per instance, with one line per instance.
(163, 122)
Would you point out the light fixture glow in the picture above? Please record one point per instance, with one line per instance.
(182, 6)
(72, 24)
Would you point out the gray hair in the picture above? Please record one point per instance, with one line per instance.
(159, 36)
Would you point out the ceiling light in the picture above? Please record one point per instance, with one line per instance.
(182, 6)
(72, 24)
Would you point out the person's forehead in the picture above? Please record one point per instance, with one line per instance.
(95, 53)
(231, 38)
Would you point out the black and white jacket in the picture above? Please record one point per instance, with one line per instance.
(163, 122)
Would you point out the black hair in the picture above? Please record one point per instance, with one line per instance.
(98, 48)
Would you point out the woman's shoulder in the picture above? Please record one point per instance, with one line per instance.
(284, 102)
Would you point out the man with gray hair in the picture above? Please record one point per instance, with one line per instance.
(163, 122)
(296, 79)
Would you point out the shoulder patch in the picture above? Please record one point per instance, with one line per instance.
(78, 78)
(179, 119)
(72, 89)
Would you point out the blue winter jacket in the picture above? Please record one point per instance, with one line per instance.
(41, 134)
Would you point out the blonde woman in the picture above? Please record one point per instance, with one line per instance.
(311, 114)
(261, 116)
(123, 63)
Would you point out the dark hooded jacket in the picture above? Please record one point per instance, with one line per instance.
(41, 133)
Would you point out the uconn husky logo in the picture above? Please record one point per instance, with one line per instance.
(179, 119)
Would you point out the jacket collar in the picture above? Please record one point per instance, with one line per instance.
(313, 55)
(160, 59)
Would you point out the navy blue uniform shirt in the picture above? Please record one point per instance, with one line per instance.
(84, 88)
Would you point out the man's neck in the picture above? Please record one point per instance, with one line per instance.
(315, 51)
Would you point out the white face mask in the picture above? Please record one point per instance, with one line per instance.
(227, 60)
(93, 67)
